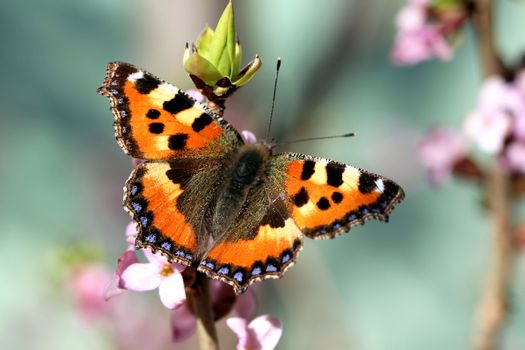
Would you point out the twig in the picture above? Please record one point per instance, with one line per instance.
(198, 295)
(492, 309)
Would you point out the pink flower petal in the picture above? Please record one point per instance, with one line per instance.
(171, 291)
(155, 258)
(182, 323)
(246, 305)
(196, 94)
(239, 326)
(515, 156)
(113, 289)
(267, 330)
(409, 49)
(222, 297)
(131, 235)
(439, 151)
(441, 48)
(124, 261)
(249, 137)
(488, 129)
(141, 277)
(492, 93)
(412, 16)
(88, 284)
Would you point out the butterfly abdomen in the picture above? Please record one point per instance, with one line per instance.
(245, 171)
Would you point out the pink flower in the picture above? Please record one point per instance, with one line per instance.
(418, 39)
(263, 333)
(500, 110)
(488, 129)
(412, 16)
(157, 273)
(497, 94)
(88, 284)
(515, 156)
(439, 151)
(419, 45)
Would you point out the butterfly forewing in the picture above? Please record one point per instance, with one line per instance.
(156, 120)
(327, 198)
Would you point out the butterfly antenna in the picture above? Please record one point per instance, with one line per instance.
(350, 134)
(273, 98)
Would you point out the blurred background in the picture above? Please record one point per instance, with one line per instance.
(410, 284)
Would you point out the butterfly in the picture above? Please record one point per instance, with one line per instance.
(205, 198)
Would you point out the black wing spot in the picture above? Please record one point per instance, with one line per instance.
(337, 197)
(300, 198)
(146, 84)
(334, 174)
(323, 203)
(156, 128)
(177, 142)
(367, 183)
(308, 169)
(153, 114)
(177, 104)
(201, 122)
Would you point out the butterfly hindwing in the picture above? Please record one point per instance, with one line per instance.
(327, 198)
(262, 244)
(156, 120)
(161, 198)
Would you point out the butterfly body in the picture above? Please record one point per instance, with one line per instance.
(205, 198)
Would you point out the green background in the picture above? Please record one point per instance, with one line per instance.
(410, 284)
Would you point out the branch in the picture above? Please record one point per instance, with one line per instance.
(492, 310)
(198, 295)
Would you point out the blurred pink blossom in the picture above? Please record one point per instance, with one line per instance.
(420, 45)
(412, 16)
(488, 129)
(183, 323)
(263, 333)
(515, 156)
(439, 151)
(497, 94)
(500, 111)
(88, 284)
(418, 39)
(157, 273)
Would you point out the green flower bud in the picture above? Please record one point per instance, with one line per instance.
(214, 61)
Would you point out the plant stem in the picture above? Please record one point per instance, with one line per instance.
(492, 309)
(198, 295)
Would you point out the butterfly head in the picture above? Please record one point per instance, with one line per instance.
(269, 145)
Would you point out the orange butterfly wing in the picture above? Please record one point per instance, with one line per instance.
(265, 251)
(328, 198)
(151, 196)
(156, 120)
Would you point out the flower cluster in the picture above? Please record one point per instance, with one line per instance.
(496, 126)
(262, 332)
(426, 29)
